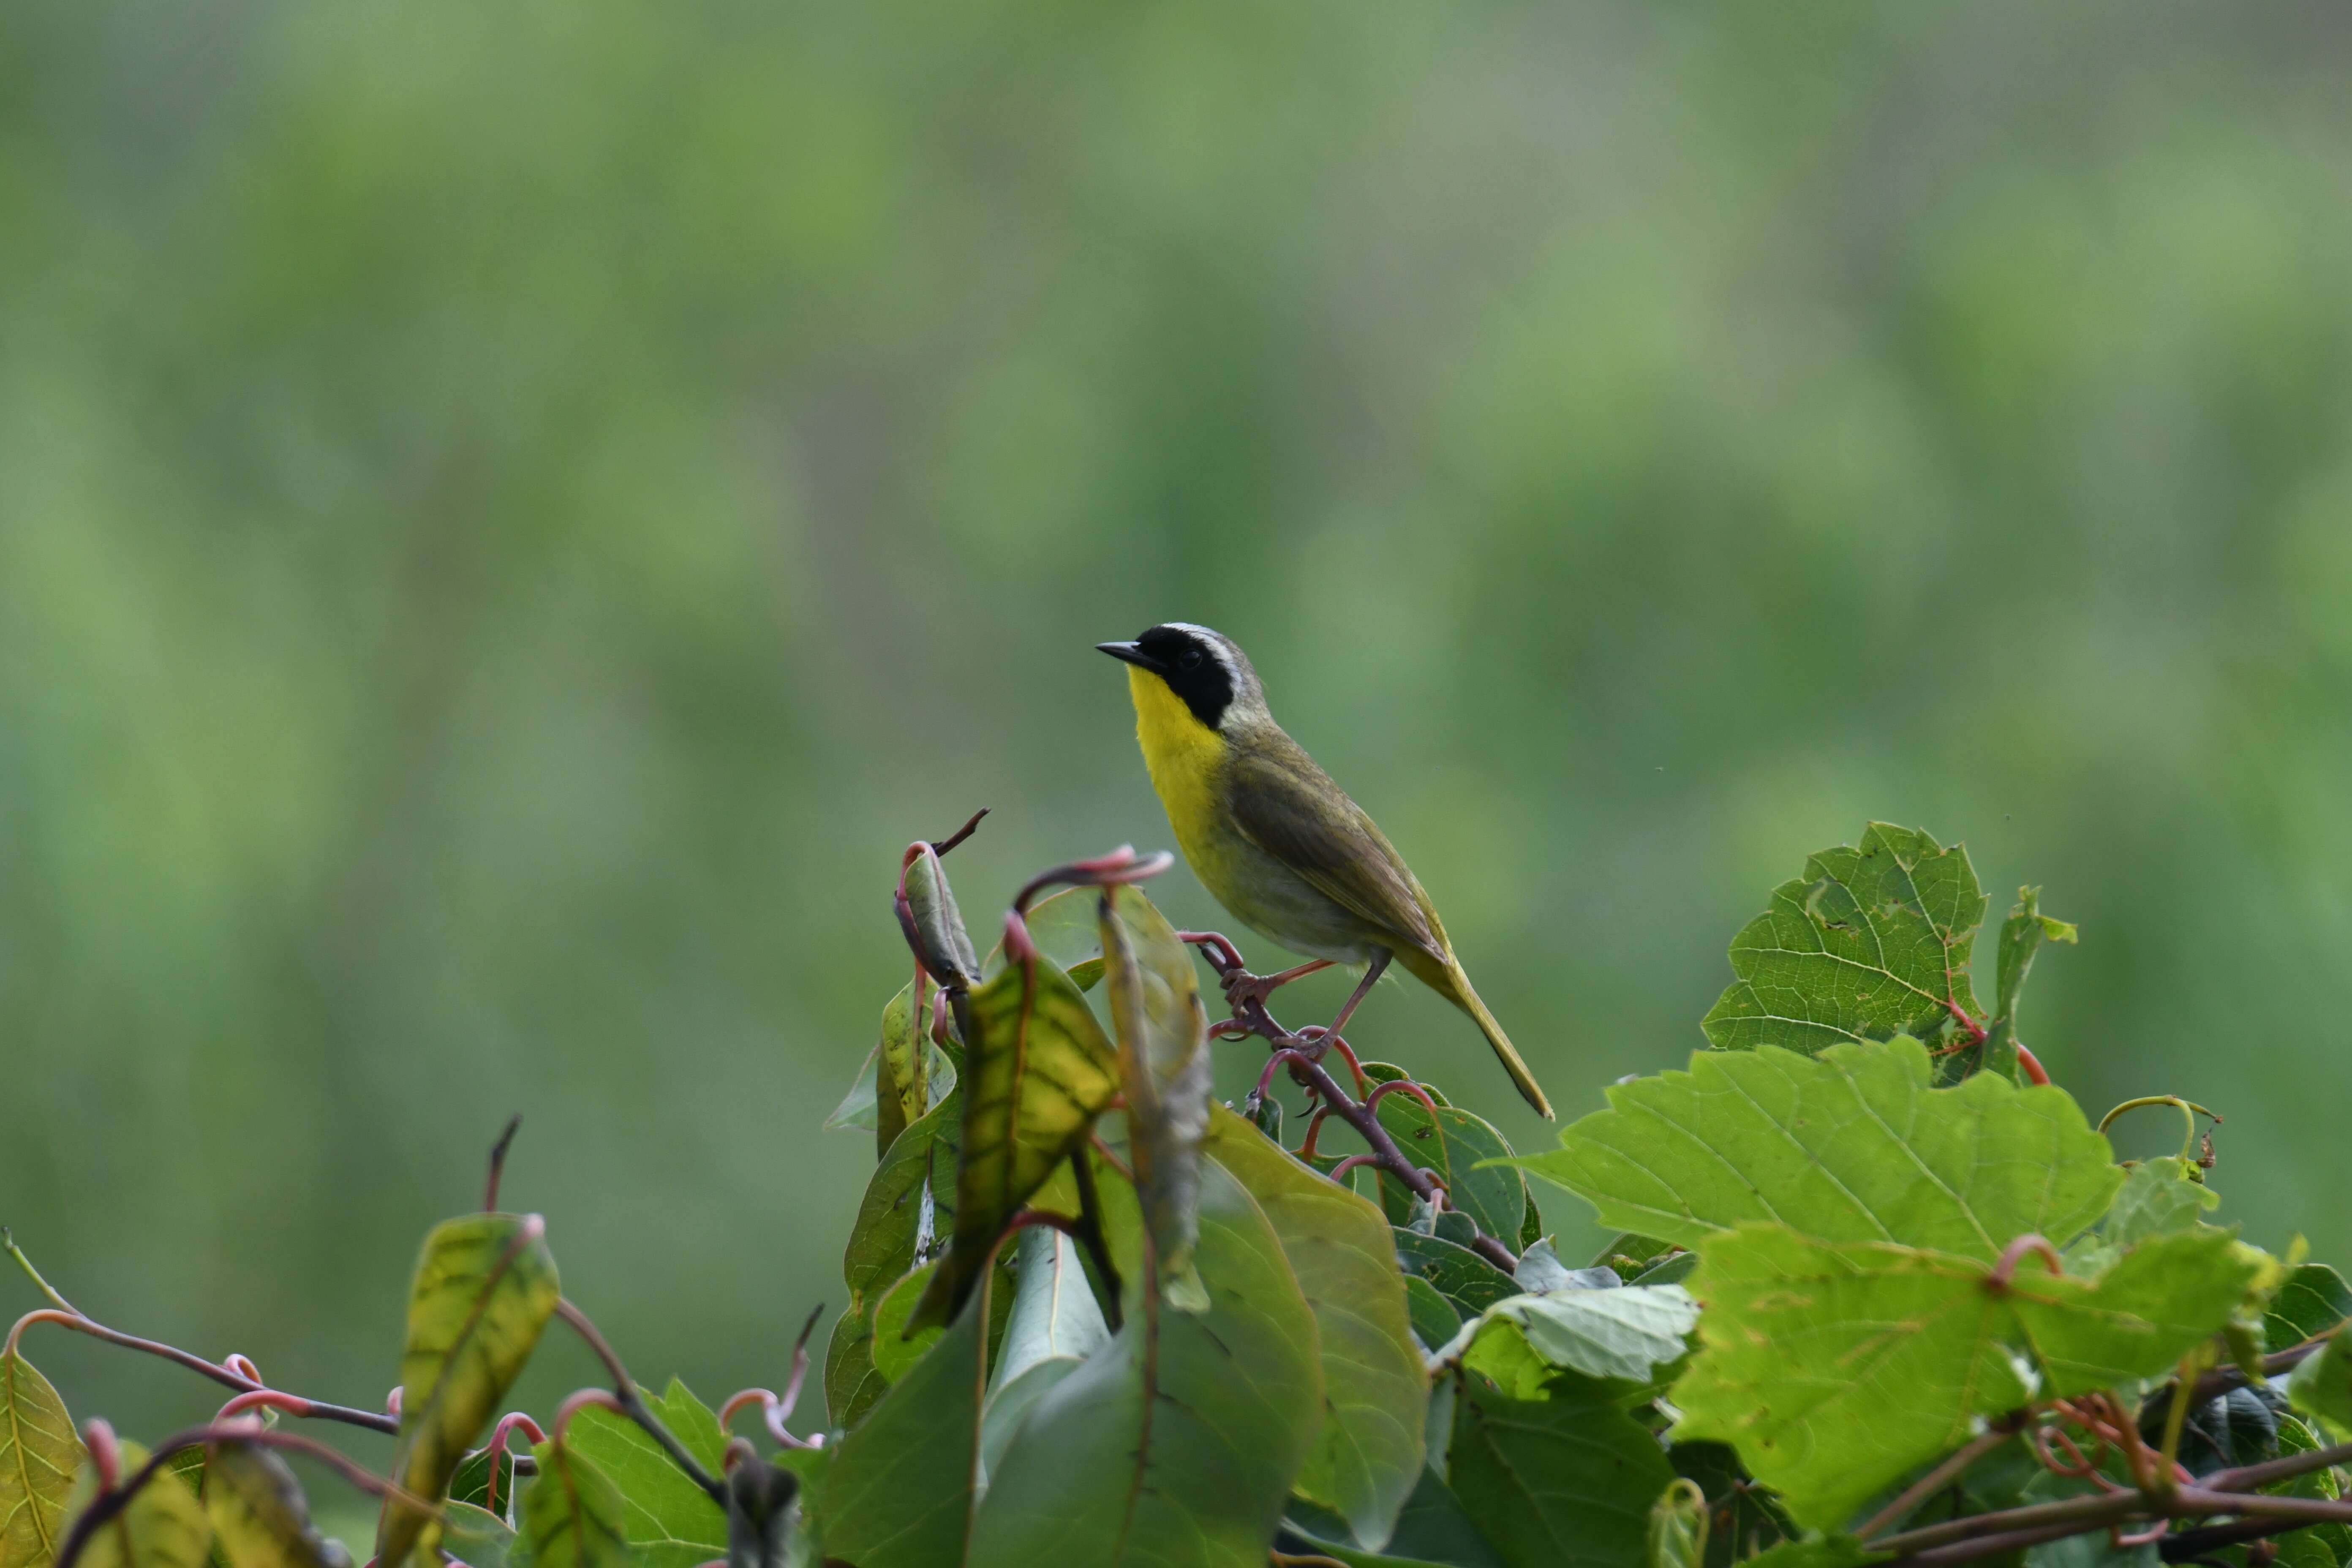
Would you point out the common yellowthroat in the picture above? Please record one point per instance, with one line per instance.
(1273, 839)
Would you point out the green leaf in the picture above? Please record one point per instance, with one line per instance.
(1434, 1319)
(1037, 1071)
(1468, 1282)
(2159, 1197)
(2314, 1301)
(909, 1200)
(1176, 1442)
(1748, 1518)
(574, 1516)
(2021, 936)
(898, 1492)
(939, 926)
(38, 1457)
(1850, 1145)
(1369, 1455)
(260, 1516)
(1836, 1368)
(163, 1527)
(1067, 930)
(1431, 1529)
(1568, 1480)
(471, 1483)
(896, 1349)
(475, 1536)
(1452, 1145)
(1831, 1552)
(2333, 1540)
(668, 1521)
(1624, 1332)
(1054, 1315)
(1678, 1527)
(1868, 943)
(1164, 1068)
(852, 1382)
(485, 1287)
(2321, 1384)
(1054, 1325)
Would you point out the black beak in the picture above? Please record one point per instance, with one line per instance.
(1132, 655)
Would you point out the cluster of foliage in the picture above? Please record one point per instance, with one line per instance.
(1882, 1293)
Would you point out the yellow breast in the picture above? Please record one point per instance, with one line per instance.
(1184, 757)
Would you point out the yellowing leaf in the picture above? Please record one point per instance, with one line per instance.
(260, 1516)
(1037, 1071)
(163, 1527)
(38, 1456)
(486, 1285)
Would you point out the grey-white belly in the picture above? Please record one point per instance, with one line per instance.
(1279, 904)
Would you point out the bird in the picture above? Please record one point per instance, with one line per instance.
(1275, 840)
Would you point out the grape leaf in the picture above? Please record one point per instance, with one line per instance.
(38, 1456)
(475, 1536)
(1164, 1068)
(1852, 1145)
(1562, 1481)
(2313, 1301)
(1176, 1442)
(2157, 1198)
(1868, 943)
(2321, 1384)
(1037, 1072)
(1369, 1455)
(1623, 1333)
(486, 1285)
(668, 1521)
(1835, 1368)
(573, 1516)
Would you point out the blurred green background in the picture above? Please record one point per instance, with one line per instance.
(511, 516)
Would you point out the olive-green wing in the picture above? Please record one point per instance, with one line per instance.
(1291, 808)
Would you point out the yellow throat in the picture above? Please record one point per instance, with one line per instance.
(1183, 756)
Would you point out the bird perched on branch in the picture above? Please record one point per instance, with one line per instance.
(1277, 842)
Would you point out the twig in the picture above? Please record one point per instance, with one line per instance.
(1934, 1481)
(318, 1409)
(2253, 1477)
(624, 1390)
(499, 1162)
(941, 846)
(111, 1502)
(8, 1239)
(1253, 1017)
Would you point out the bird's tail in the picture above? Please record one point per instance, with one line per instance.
(1445, 977)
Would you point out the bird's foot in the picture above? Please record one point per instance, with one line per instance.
(1242, 988)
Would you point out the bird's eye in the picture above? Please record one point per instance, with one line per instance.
(1188, 660)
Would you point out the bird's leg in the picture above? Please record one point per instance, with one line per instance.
(1245, 988)
(1363, 988)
